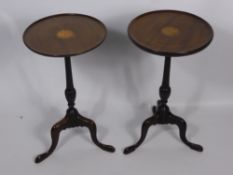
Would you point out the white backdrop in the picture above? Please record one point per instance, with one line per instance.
(116, 85)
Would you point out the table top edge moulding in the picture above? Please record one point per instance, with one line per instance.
(170, 53)
(101, 39)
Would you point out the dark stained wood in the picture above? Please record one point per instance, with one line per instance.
(170, 33)
(64, 35)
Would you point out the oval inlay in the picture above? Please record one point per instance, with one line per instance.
(65, 34)
(170, 31)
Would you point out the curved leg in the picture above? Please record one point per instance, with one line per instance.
(55, 132)
(182, 127)
(92, 128)
(145, 126)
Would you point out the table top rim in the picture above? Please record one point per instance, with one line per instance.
(64, 14)
(170, 54)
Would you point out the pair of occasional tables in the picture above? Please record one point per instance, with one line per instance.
(168, 33)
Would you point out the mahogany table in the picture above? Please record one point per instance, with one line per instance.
(67, 35)
(168, 33)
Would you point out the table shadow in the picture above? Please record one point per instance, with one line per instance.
(122, 71)
(211, 68)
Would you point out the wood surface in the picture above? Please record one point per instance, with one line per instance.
(170, 33)
(64, 35)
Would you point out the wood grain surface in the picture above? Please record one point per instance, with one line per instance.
(64, 35)
(170, 33)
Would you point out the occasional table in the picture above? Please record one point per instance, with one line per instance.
(67, 35)
(168, 33)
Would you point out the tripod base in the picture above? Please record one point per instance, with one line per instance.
(72, 119)
(162, 115)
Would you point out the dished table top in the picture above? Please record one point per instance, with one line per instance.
(170, 32)
(64, 35)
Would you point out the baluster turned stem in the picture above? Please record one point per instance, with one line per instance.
(70, 91)
(165, 89)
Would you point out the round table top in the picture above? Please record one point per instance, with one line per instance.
(170, 32)
(64, 35)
